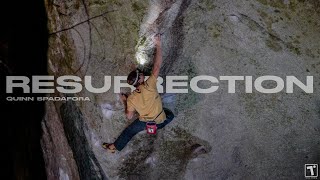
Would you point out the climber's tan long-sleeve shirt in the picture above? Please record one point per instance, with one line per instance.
(147, 102)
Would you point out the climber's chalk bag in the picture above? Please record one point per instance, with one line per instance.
(151, 126)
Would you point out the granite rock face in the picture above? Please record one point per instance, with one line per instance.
(218, 135)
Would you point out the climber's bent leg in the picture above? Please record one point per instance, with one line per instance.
(128, 133)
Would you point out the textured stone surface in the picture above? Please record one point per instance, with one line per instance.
(243, 136)
(60, 163)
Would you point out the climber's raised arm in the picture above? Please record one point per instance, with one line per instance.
(157, 61)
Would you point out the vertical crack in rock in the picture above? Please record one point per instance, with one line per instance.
(176, 39)
(74, 124)
(164, 18)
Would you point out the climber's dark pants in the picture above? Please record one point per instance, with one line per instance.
(137, 126)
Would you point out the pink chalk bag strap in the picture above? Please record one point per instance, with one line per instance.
(151, 126)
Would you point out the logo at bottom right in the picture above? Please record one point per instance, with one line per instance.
(311, 171)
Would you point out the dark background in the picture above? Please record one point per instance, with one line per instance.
(23, 48)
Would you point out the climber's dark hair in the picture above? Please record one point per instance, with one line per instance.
(133, 77)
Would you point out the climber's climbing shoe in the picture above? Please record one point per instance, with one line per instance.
(108, 147)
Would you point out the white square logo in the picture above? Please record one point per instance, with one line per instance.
(311, 171)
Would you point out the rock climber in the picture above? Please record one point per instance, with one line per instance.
(145, 100)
